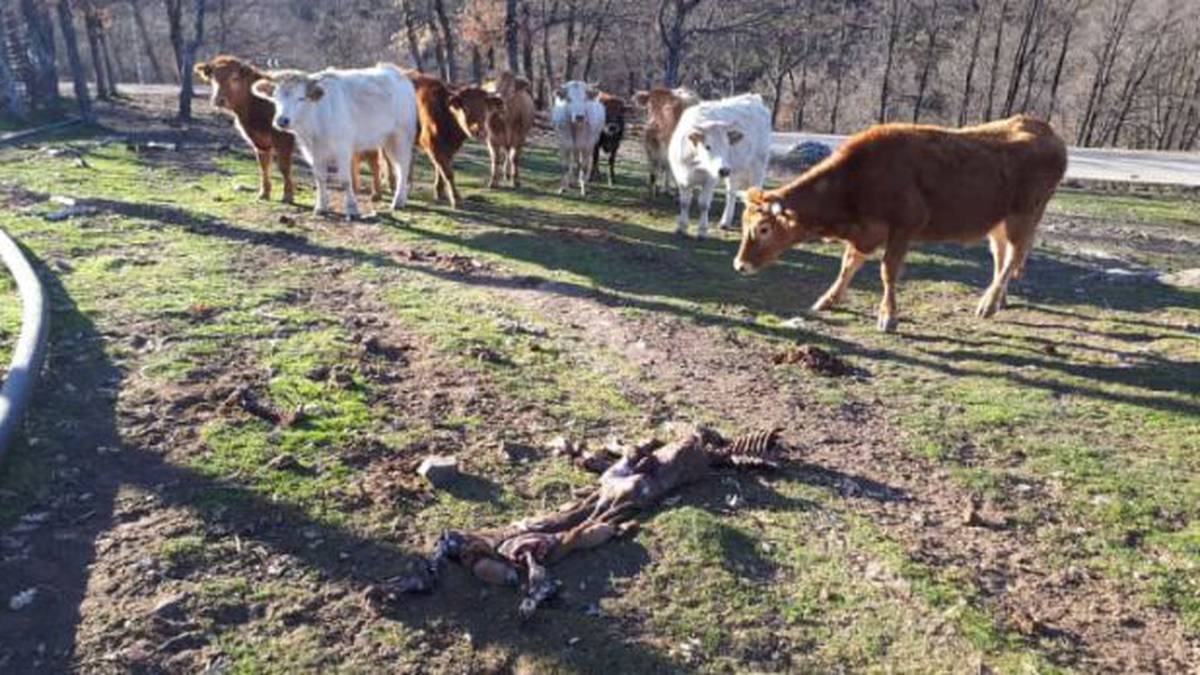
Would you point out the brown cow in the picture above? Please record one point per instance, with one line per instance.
(501, 119)
(896, 184)
(231, 79)
(663, 108)
(439, 133)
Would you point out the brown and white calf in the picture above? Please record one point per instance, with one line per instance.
(231, 80)
(439, 133)
(897, 184)
(501, 119)
(663, 107)
(611, 136)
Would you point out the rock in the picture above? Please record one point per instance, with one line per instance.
(171, 607)
(183, 642)
(516, 453)
(22, 600)
(1183, 279)
(69, 212)
(441, 471)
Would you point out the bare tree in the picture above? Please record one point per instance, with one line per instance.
(92, 29)
(933, 26)
(672, 18)
(1114, 34)
(895, 21)
(443, 20)
(42, 78)
(1001, 18)
(66, 25)
(185, 50)
(139, 20)
(510, 34)
(964, 107)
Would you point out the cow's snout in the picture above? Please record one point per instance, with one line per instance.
(578, 118)
(743, 267)
(221, 102)
(283, 122)
(723, 172)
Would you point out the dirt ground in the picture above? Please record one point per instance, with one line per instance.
(143, 562)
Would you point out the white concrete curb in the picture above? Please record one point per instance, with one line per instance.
(30, 350)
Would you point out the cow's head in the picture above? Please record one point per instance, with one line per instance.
(574, 96)
(231, 79)
(712, 146)
(294, 94)
(614, 116)
(768, 229)
(471, 107)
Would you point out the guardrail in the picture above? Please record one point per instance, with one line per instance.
(30, 350)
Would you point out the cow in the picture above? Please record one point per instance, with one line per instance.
(897, 184)
(578, 120)
(231, 79)
(663, 109)
(727, 140)
(611, 136)
(337, 113)
(439, 133)
(502, 118)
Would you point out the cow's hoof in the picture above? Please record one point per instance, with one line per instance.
(322, 213)
(986, 309)
(825, 304)
(887, 324)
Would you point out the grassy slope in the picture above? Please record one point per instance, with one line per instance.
(1116, 440)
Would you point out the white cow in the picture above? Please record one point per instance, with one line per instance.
(727, 140)
(578, 118)
(335, 114)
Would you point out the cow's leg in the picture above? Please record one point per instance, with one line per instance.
(320, 169)
(355, 184)
(612, 167)
(893, 264)
(495, 157)
(445, 171)
(347, 167)
(706, 196)
(852, 262)
(685, 207)
(595, 173)
(376, 160)
(565, 157)
(585, 169)
(730, 206)
(401, 156)
(514, 166)
(1019, 234)
(284, 161)
(264, 173)
(1001, 249)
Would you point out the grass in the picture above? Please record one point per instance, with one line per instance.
(1157, 209)
(1105, 422)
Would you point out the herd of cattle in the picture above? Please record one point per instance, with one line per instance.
(888, 187)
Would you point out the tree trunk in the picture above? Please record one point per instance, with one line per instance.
(591, 50)
(110, 73)
(476, 66)
(895, 19)
(410, 33)
(42, 79)
(673, 35)
(144, 37)
(91, 25)
(964, 107)
(510, 35)
(1000, 19)
(1021, 56)
(1114, 35)
(931, 32)
(11, 103)
(526, 42)
(185, 50)
(66, 25)
(843, 45)
(443, 19)
(572, 56)
(1058, 67)
(547, 60)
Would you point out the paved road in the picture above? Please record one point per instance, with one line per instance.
(1134, 166)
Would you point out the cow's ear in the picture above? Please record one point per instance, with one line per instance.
(696, 137)
(641, 98)
(592, 92)
(456, 101)
(264, 88)
(753, 195)
(203, 71)
(313, 91)
(735, 136)
(494, 101)
(560, 93)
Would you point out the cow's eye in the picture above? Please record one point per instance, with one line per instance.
(708, 147)
(763, 230)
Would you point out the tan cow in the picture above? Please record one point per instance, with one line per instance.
(501, 118)
(663, 109)
(897, 184)
(231, 79)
